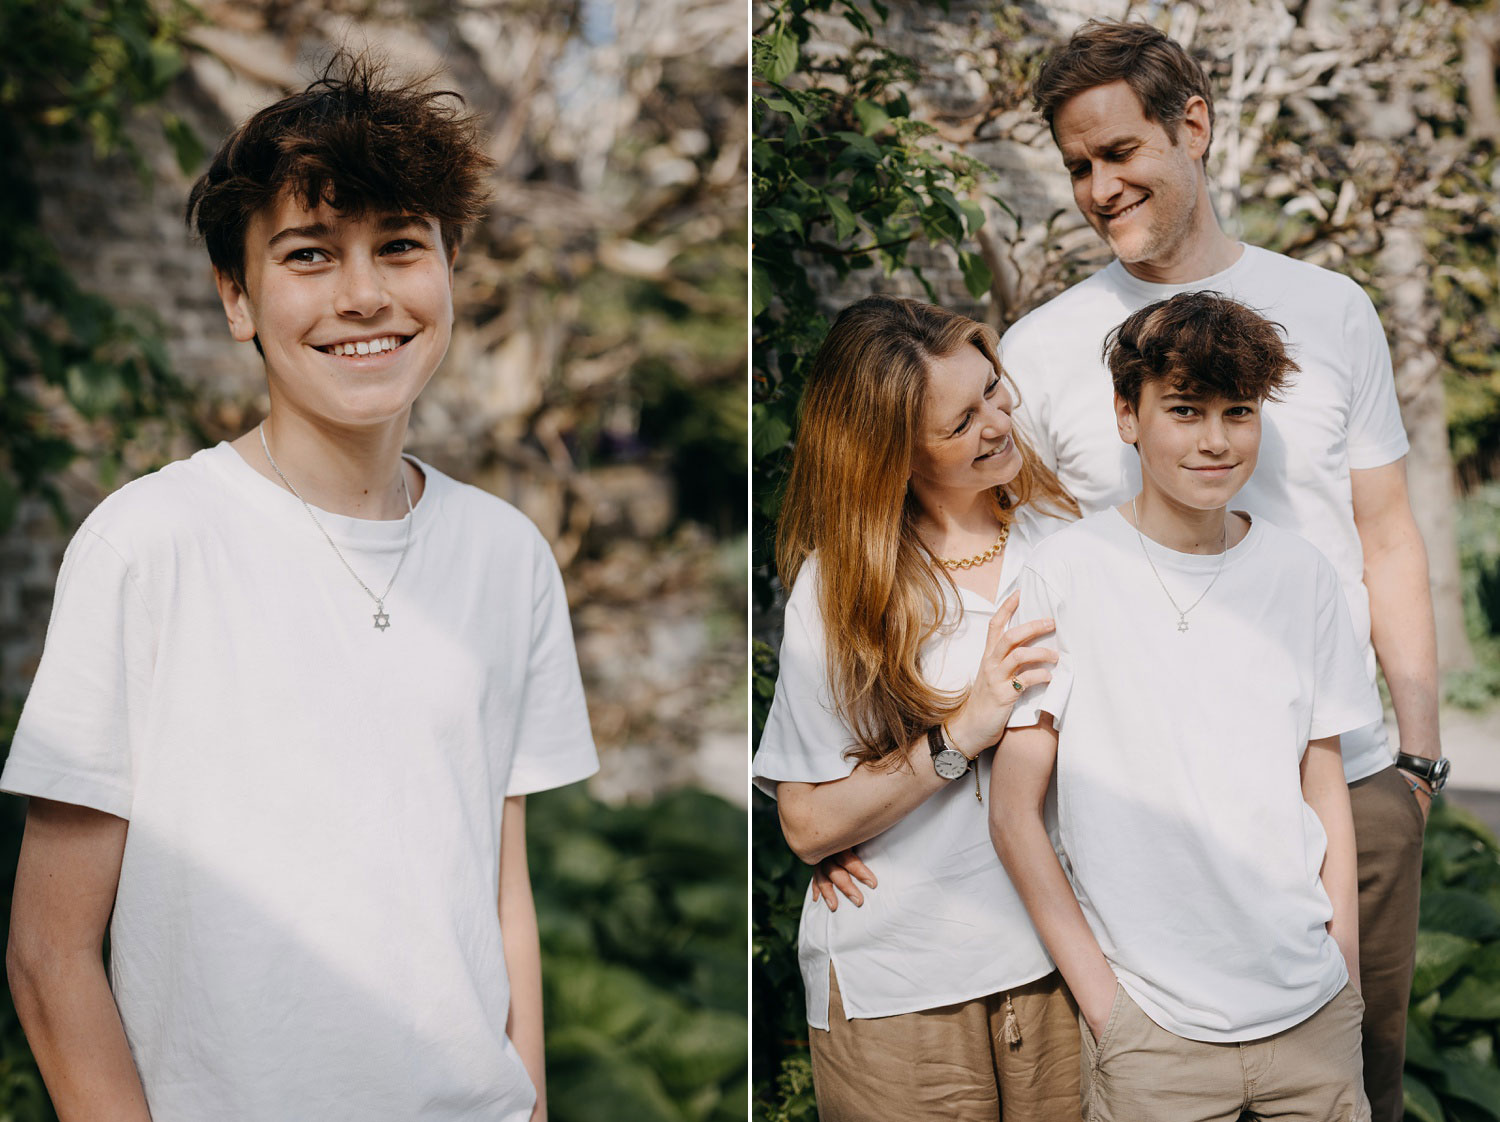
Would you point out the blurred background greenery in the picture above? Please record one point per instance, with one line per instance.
(894, 150)
(596, 380)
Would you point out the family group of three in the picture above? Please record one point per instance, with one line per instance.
(1182, 884)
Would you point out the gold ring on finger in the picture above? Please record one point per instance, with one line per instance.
(1015, 684)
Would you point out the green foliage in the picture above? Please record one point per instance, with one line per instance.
(1454, 1020)
(69, 360)
(844, 178)
(1479, 563)
(642, 917)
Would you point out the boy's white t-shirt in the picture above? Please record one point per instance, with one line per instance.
(1340, 413)
(306, 924)
(1180, 812)
(944, 923)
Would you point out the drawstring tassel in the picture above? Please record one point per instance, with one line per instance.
(1011, 1031)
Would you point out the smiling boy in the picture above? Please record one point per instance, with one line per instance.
(1204, 911)
(296, 688)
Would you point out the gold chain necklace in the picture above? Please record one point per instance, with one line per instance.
(978, 558)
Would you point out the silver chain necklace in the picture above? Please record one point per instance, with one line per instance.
(382, 619)
(1182, 613)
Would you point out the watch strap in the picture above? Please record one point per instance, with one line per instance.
(1434, 772)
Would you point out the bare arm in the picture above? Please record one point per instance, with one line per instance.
(523, 954)
(820, 819)
(65, 891)
(1018, 790)
(1401, 621)
(1325, 790)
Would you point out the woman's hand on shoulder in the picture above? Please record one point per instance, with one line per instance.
(1010, 666)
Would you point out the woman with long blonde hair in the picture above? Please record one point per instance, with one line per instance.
(911, 505)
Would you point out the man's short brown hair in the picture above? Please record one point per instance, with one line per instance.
(1163, 76)
(1201, 344)
(355, 139)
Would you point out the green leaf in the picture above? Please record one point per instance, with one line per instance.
(1472, 1082)
(1420, 1103)
(1460, 913)
(1421, 1049)
(844, 222)
(760, 290)
(872, 118)
(781, 59)
(860, 148)
(768, 433)
(973, 215)
(1475, 999)
(782, 105)
(185, 143)
(1439, 957)
(977, 275)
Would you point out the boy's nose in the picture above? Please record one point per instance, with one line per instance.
(361, 290)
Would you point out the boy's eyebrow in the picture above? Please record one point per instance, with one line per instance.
(323, 230)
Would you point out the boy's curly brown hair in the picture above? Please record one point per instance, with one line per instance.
(1202, 344)
(355, 139)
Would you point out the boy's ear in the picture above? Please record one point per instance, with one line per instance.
(1125, 420)
(236, 307)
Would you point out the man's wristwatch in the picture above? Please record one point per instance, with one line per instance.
(947, 760)
(1434, 772)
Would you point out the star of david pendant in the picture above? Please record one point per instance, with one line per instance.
(382, 621)
(1182, 623)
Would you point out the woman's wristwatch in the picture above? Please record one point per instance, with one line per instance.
(1433, 772)
(947, 760)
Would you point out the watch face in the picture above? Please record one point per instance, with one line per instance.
(950, 764)
(1439, 774)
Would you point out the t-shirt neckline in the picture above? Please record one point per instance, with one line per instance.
(1165, 557)
(362, 533)
(1217, 282)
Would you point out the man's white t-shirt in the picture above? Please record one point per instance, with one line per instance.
(944, 924)
(306, 923)
(1340, 413)
(1180, 812)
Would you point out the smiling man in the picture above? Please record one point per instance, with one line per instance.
(296, 689)
(1132, 115)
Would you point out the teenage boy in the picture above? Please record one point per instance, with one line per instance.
(296, 689)
(1132, 115)
(1207, 919)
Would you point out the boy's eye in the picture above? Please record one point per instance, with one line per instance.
(403, 245)
(307, 255)
(1240, 411)
(1183, 410)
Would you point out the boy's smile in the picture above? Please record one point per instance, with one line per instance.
(353, 313)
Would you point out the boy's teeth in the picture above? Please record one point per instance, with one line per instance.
(368, 347)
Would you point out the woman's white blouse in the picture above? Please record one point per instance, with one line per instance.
(944, 924)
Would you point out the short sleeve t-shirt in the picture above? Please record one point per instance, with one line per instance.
(306, 922)
(944, 924)
(1180, 812)
(1339, 414)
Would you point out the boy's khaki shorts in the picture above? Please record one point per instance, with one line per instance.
(1140, 1072)
(953, 1063)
